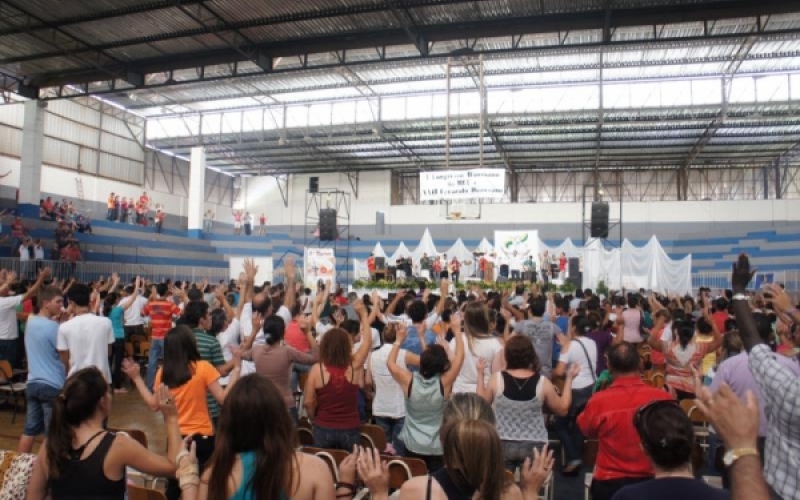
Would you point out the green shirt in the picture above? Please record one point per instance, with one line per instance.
(211, 351)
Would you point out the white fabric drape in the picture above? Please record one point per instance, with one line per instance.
(378, 251)
(425, 246)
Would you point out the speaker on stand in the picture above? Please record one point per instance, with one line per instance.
(599, 223)
(313, 184)
(327, 225)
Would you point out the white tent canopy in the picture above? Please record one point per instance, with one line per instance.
(460, 251)
(378, 251)
(566, 246)
(425, 246)
(485, 247)
(401, 252)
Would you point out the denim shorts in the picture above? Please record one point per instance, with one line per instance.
(338, 439)
(39, 399)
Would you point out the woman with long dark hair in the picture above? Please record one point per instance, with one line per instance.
(333, 386)
(255, 457)
(115, 312)
(80, 459)
(518, 396)
(684, 353)
(274, 359)
(188, 378)
(426, 392)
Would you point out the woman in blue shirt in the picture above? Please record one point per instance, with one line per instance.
(115, 312)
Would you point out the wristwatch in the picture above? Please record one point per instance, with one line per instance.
(731, 456)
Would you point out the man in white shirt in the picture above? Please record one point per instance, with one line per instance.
(86, 339)
(132, 317)
(9, 326)
(515, 264)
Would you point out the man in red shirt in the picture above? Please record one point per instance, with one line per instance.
(371, 265)
(161, 311)
(608, 417)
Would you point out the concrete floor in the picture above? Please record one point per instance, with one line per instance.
(128, 411)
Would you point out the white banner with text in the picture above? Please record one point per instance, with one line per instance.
(320, 265)
(462, 184)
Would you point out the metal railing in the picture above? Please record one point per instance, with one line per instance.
(90, 271)
(722, 280)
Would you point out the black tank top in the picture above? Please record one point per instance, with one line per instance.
(454, 489)
(519, 389)
(85, 479)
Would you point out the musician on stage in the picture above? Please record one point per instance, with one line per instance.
(490, 262)
(545, 263)
(437, 269)
(454, 269)
(371, 265)
(425, 265)
(529, 267)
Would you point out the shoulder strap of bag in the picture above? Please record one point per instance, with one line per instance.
(588, 360)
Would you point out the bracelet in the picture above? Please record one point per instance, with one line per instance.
(740, 296)
(188, 480)
(349, 486)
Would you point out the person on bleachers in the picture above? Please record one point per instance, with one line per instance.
(25, 251)
(123, 210)
(43, 213)
(262, 225)
(131, 217)
(144, 203)
(248, 224)
(110, 204)
(18, 233)
(237, 222)
(159, 219)
(83, 224)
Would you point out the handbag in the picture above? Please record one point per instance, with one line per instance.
(581, 396)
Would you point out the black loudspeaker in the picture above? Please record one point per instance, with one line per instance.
(313, 184)
(576, 281)
(327, 224)
(574, 267)
(599, 225)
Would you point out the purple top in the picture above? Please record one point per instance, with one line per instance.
(603, 339)
(736, 373)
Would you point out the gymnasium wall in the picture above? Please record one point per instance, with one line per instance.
(105, 152)
(555, 221)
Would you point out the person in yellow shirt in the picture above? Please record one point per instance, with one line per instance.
(111, 206)
(705, 335)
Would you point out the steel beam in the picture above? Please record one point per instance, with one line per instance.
(499, 27)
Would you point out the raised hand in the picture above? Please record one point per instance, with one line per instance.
(780, 300)
(165, 402)
(131, 368)
(374, 472)
(401, 333)
(536, 472)
(742, 274)
(480, 366)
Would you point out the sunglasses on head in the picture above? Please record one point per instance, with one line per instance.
(647, 408)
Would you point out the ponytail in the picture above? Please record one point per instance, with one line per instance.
(109, 302)
(685, 333)
(77, 403)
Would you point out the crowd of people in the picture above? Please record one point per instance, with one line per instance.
(135, 211)
(472, 384)
(243, 220)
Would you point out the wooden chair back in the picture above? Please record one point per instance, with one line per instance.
(305, 436)
(373, 436)
(657, 380)
(142, 493)
(332, 457)
(401, 469)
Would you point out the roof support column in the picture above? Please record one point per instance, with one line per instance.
(197, 183)
(30, 175)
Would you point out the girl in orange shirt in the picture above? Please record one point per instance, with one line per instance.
(188, 378)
